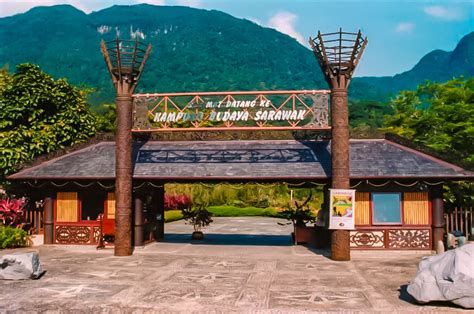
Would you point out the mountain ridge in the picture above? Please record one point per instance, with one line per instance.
(195, 50)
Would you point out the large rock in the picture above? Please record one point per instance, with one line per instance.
(20, 266)
(446, 277)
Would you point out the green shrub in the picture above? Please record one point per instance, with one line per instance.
(12, 237)
(173, 215)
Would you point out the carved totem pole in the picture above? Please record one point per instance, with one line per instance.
(125, 60)
(338, 55)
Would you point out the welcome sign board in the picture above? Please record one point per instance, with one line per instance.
(275, 110)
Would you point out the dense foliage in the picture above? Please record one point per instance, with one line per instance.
(440, 116)
(177, 201)
(12, 237)
(278, 196)
(39, 115)
(12, 212)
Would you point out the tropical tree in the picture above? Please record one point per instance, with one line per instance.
(38, 115)
(440, 116)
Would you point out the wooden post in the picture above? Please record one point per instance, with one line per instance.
(338, 62)
(160, 215)
(123, 181)
(437, 212)
(49, 219)
(125, 68)
(138, 228)
(340, 239)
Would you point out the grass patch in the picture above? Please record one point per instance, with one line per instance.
(233, 211)
(173, 215)
(227, 211)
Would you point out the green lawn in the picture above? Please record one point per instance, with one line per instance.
(232, 211)
(226, 211)
(173, 215)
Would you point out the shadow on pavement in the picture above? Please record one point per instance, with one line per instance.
(232, 239)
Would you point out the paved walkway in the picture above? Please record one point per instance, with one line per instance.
(245, 265)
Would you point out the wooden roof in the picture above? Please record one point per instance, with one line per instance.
(246, 160)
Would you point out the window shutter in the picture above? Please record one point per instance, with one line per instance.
(362, 208)
(67, 207)
(416, 209)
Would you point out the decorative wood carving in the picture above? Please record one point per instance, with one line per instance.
(367, 239)
(399, 239)
(73, 234)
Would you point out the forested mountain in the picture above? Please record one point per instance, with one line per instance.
(436, 66)
(193, 50)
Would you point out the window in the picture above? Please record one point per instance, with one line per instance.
(386, 208)
(92, 204)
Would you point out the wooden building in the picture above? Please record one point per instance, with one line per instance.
(399, 201)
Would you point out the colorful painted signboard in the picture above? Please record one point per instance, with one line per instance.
(342, 206)
(290, 110)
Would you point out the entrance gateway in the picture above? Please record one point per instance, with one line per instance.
(398, 198)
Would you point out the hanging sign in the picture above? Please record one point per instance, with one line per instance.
(342, 206)
(277, 110)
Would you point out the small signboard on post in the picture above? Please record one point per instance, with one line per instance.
(342, 207)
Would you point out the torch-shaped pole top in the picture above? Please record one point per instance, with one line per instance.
(338, 55)
(125, 60)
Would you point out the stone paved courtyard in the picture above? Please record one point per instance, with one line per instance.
(244, 265)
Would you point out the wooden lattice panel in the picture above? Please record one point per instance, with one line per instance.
(362, 208)
(416, 208)
(73, 234)
(67, 207)
(408, 239)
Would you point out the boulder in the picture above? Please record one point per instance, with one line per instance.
(446, 277)
(20, 266)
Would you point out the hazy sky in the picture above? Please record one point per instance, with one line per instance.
(399, 32)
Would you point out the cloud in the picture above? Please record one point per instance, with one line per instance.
(405, 27)
(153, 2)
(190, 3)
(284, 22)
(256, 21)
(11, 7)
(444, 13)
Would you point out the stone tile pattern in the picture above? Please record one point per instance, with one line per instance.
(244, 159)
(216, 277)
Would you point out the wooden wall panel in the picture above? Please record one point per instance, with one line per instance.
(416, 208)
(67, 207)
(362, 208)
(111, 205)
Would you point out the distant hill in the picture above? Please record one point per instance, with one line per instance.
(436, 66)
(193, 50)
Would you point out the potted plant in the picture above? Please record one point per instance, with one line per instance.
(300, 216)
(199, 217)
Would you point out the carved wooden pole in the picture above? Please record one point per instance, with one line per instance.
(340, 246)
(125, 68)
(338, 61)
